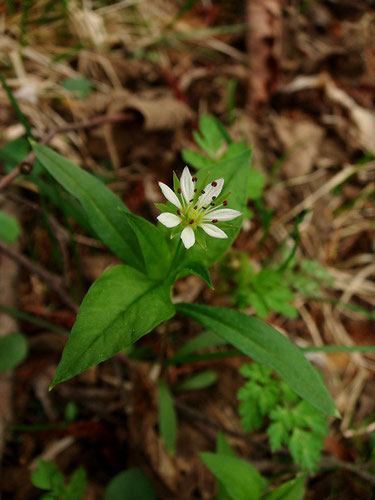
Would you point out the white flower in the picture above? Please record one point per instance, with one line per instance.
(196, 207)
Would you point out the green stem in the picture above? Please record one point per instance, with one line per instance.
(176, 256)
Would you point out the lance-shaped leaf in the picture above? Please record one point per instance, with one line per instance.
(266, 345)
(119, 308)
(155, 250)
(100, 204)
(240, 479)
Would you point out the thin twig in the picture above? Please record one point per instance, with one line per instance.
(54, 281)
(61, 234)
(355, 469)
(26, 165)
(195, 416)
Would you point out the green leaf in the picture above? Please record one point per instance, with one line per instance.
(80, 86)
(266, 345)
(306, 449)
(198, 381)
(196, 268)
(9, 228)
(13, 349)
(240, 479)
(222, 445)
(235, 171)
(48, 477)
(223, 448)
(167, 417)
(100, 204)
(277, 435)
(197, 160)
(131, 484)
(13, 152)
(258, 396)
(202, 341)
(291, 490)
(257, 181)
(211, 137)
(155, 251)
(119, 308)
(75, 490)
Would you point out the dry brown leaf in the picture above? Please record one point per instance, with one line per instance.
(364, 120)
(264, 46)
(301, 140)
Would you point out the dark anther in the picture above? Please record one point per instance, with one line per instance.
(191, 221)
(26, 168)
(195, 190)
(203, 191)
(214, 221)
(196, 206)
(214, 197)
(214, 184)
(178, 212)
(212, 204)
(179, 190)
(194, 179)
(225, 203)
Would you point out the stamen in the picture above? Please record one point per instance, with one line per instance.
(225, 203)
(194, 179)
(179, 191)
(214, 221)
(191, 221)
(214, 197)
(214, 184)
(178, 212)
(212, 204)
(196, 206)
(195, 190)
(191, 200)
(203, 191)
(204, 208)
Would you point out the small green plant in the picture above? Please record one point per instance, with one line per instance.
(265, 399)
(272, 288)
(48, 477)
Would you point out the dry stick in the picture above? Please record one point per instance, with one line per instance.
(54, 281)
(195, 415)
(26, 165)
(60, 233)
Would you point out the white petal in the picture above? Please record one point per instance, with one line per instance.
(214, 231)
(188, 237)
(187, 185)
(170, 195)
(223, 214)
(169, 220)
(210, 192)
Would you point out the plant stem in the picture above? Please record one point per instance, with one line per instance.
(174, 260)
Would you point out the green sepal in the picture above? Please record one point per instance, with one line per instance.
(200, 239)
(163, 207)
(176, 183)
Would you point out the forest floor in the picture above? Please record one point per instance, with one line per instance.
(293, 79)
